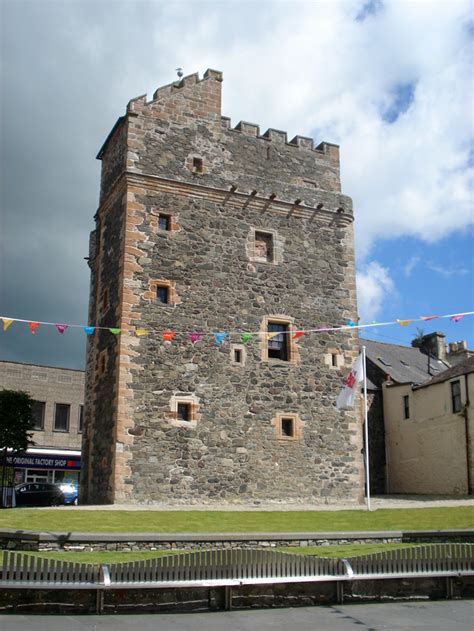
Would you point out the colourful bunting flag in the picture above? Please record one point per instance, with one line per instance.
(273, 334)
(141, 332)
(351, 323)
(115, 331)
(89, 330)
(168, 335)
(220, 337)
(6, 323)
(426, 318)
(298, 334)
(61, 328)
(246, 337)
(456, 318)
(404, 322)
(33, 326)
(195, 336)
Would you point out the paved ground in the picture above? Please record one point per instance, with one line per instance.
(411, 616)
(385, 501)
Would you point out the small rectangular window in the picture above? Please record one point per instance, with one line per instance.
(183, 412)
(456, 396)
(38, 415)
(406, 406)
(238, 355)
(164, 222)
(162, 294)
(288, 427)
(334, 359)
(278, 344)
(197, 165)
(81, 419)
(61, 417)
(263, 246)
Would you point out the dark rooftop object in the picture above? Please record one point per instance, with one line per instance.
(403, 364)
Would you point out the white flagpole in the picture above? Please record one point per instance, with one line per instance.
(366, 431)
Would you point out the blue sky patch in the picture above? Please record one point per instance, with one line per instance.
(402, 97)
(372, 7)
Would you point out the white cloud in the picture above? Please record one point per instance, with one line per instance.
(411, 264)
(448, 272)
(374, 284)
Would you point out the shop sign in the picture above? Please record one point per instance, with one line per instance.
(38, 461)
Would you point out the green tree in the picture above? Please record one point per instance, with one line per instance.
(16, 424)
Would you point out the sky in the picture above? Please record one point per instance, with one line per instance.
(389, 81)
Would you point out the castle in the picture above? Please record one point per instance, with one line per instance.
(203, 227)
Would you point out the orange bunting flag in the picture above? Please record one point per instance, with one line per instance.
(298, 334)
(33, 326)
(426, 318)
(404, 322)
(168, 335)
(141, 332)
(6, 323)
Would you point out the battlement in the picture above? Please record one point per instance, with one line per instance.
(182, 86)
(277, 136)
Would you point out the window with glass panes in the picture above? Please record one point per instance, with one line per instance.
(37, 409)
(61, 417)
(456, 396)
(278, 343)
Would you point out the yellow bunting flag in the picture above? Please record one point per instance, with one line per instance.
(6, 323)
(404, 322)
(141, 332)
(272, 335)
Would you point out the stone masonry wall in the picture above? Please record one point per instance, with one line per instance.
(231, 449)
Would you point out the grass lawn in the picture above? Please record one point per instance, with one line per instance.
(70, 520)
(124, 557)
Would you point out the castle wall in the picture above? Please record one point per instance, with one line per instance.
(233, 448)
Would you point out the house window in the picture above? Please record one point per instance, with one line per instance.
(37, 410)
(456, 396)
(263, 246)
(61, 417)
(278, 340)
(334, 360)
(81, 419)
(162, 294)
(183, 411)
(238, 355)
(164, 222)
(406, 406)
(288, 427)
(197, 165)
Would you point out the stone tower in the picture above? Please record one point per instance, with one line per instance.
(202, 228)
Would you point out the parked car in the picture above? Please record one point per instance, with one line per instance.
(39, 494)
(70, 492)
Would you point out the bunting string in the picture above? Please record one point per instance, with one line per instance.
(219, 336)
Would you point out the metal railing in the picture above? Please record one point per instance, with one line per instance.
(233, 567)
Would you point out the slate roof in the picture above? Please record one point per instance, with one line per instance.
(463, 368)
(404, 364)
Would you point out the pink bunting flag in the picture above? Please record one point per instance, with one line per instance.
(6, 323)
(33, 326)
(456, 318)
(168, 335)
(195, 336)
(61, 328)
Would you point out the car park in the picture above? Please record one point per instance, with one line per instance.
(39, 494)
